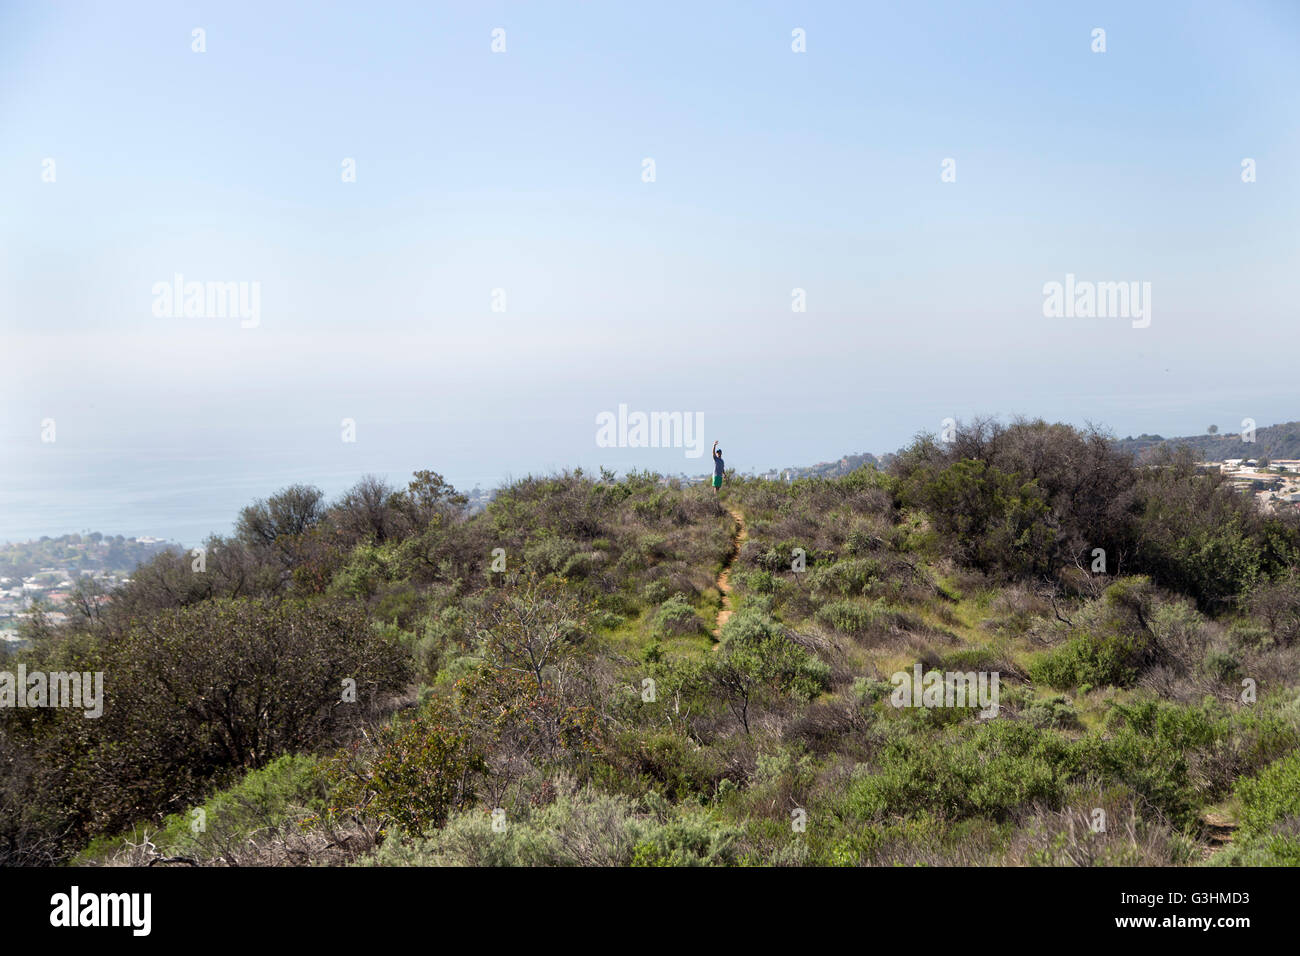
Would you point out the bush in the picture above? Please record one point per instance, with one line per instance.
(1097, 660)
(758, 662)
(850, 617)
(846, 578)
(288, 790)
(413, 775)
(676, 616)
(582, 827)
(550, 554)
(1271, 796)
(977, 770)
(1270, 818)
(1222, 666)
(671, 764)
(1053, 711)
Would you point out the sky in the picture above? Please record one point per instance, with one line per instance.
(524, 170)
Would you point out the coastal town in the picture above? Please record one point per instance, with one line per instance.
(1274, 483)
(46, 574)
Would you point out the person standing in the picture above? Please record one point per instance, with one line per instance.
(718, 467)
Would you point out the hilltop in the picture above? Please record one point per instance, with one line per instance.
(393, 678)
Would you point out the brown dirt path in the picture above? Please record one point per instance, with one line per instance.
(724, 579)
(1220, 830)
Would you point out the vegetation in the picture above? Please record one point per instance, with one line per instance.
(391, 679)
(82, 552)
(1270, 441)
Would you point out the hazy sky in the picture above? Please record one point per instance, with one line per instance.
(522, 171)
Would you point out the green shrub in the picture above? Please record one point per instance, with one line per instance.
(676, 616)
(286, 791)
(670, 764)
(1052, 711)
(1270, 796)
(414, 774)
(1270, 818)
(850, 617)
(986, 769)
(760, 582)
(1088, 658)
(550, 554)
(1222, 666)
(580, 828)
(845, 578)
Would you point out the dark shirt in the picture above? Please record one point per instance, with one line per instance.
(717, 465)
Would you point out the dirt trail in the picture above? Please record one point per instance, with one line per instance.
(1220, 830)
(724, 579)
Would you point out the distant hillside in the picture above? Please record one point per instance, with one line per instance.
(78, 552)
(828, 469)
(1271, 441)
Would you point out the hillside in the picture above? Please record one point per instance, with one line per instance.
(1271, 441)
(392, 678)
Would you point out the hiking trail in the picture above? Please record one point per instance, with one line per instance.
(1221, 829)
(724, 577)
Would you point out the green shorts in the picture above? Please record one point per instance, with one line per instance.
(717, 481)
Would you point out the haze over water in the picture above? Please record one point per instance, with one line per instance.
(522, 171)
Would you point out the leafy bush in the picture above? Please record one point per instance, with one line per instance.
(757, 661)
(413, 775)
(550, 554)
(1052, 711)
(1269, 797)
(1092, 659)
(851, 617)
(286, 791)
(986, 770)
(582, 827)
(676, 616)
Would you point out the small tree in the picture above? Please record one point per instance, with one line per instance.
(527, 627)
(757, 660)
(414, 775)
(287, 513)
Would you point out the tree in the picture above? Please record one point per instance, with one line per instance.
(429, 498)
(757, 660)
(188, 696)
(1213, 429)
(414, 774)
(527, 627)
(368, 511)
(248, 680)
(286, 514)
